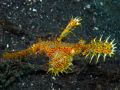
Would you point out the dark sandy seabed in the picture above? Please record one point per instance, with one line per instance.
(23, 21)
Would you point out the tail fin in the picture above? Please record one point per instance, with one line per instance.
(98, 48)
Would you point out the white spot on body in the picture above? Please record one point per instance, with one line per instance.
(72, 51)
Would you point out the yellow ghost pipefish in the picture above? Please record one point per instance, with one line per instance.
(61, 53)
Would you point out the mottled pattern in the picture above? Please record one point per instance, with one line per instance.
(26, 20)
